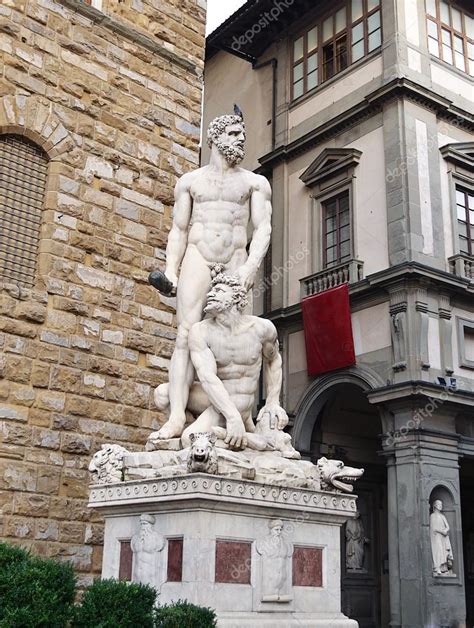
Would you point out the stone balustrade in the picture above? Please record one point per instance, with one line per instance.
(462, 265)
(349, 272)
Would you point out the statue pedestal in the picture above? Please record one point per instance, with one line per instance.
(259, 555)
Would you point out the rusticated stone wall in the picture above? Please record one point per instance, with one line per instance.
(114, 99)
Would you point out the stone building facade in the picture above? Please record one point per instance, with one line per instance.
(99, 113)
(361, 113)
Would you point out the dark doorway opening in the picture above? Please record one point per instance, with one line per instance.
(467, 514)
(348, 428)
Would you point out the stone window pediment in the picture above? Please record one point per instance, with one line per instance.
(460, 153)
(330, 163)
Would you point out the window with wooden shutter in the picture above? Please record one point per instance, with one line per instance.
(23, 175)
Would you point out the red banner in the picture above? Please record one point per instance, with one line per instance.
(328, 330)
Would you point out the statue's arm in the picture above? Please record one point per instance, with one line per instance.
(206, 368)
(178, 236)
(261, 217)
(272, 375)
(272, 363)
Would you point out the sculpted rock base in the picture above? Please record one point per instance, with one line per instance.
(206, 456)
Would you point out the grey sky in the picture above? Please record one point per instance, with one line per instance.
(219, 10)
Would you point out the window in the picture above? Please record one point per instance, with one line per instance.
(23, 173)
(450, 34)
(465, 213)
(338, 40)
(465, 329)
(336, 230)
(97, 4)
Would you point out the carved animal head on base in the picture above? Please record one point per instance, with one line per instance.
(202, 454)
(107, 464)
(336, 476)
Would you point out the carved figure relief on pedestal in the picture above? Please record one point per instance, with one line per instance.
(275, 553)
(146, 546)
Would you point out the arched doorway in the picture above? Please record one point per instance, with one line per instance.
(342, 424)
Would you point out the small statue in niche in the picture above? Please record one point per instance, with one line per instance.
(146, 545)
(275, 551)
(441, 550)
(355, 544)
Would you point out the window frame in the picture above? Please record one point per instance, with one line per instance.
(346, 32)
(461, 325)
(459, 187)
(24, 240)
(453, 32)
(336, 196)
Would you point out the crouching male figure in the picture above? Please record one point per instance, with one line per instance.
(227, 349)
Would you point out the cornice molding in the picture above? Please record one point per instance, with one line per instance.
(385, 282)
(421, 390)
(461, 154)
(372, 104)
(213, 490)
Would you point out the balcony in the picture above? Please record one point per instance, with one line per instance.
(462, 265)
(349, 272)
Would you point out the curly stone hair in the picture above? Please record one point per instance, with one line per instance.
(219, 124)
(239, 292)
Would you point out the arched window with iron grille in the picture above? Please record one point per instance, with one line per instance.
(23, 176)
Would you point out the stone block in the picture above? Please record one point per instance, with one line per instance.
(31, 505)
(76, 444)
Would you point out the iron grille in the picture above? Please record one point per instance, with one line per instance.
(23, 174)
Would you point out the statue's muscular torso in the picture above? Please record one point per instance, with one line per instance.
(239, 357)
(221, 213)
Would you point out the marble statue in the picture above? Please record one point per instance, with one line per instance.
(106, 465)
(441, 550)
(275, 552)
(355, 543)
(221, 348)
(146, 545)
(335, 475)
(214, 206)
(202, 454)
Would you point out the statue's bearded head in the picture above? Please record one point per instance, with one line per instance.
(146, 525)
(228, 134)
(226, 292)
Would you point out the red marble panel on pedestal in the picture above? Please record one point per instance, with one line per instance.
(175, 560)
(233, 562)
(307, 567)
(125, 564)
